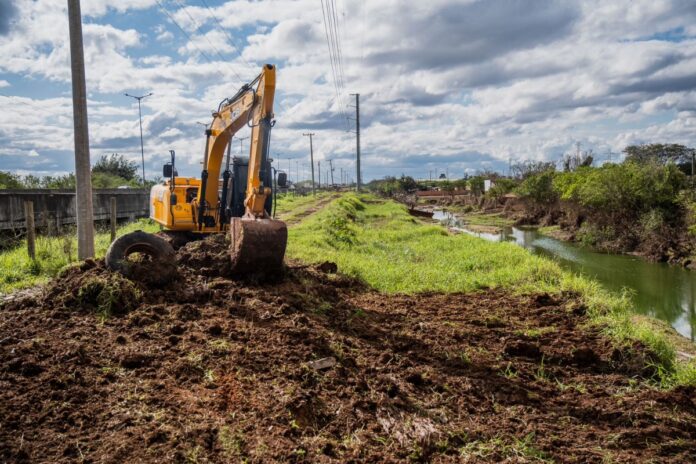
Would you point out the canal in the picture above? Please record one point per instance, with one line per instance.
(657, 289)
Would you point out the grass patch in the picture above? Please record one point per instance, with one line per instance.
(487, 219)
(381, 244)
(18, 271)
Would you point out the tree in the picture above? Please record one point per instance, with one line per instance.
(10, 181)
(116, 165)
(477, 185)
(524, 169)
(659, 153)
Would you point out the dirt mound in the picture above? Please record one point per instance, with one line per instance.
(317, 368)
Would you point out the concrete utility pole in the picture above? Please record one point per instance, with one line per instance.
(311, 158)
(83, 171)
(331, 170)
(357, 141)
(140, 119)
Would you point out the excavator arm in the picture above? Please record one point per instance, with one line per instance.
(257, 241)
(250, 106)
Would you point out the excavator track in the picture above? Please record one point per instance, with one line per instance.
(258, 246)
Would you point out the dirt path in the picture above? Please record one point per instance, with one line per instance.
(319, 369)
(294, 218)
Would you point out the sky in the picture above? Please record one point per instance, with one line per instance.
(446, 86)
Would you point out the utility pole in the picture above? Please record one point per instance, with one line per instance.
(319, 169)
(241, 146)
(693, 155)
(311, 158)
(83, 171)
(357, 140)
(140, 119)
(331, 169)
(341, 176)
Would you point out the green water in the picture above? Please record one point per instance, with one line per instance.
(659, 290)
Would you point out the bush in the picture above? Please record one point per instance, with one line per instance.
(539, 188)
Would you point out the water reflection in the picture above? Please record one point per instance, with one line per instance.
(659, 290)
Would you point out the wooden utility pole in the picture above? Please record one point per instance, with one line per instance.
(319, 169)
(31, 231)
(113, 218)
(85, 213)
(331, 170)
(357, 141)
(311, 158)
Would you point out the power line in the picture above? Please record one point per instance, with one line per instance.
(235, 45)
(231, 39)
(339, 50)
(334, 55)
(196, 28)
(166, 12)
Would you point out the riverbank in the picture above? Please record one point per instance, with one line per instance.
(379, 243)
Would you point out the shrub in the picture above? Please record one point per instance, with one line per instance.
(539, 188)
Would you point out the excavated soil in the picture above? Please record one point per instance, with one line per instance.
(318, 368)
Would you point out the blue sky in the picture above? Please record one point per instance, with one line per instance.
(456, 86)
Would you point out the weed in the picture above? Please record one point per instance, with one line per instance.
(219, 346)
(509, 372)
(541, 374)
(232, 442)
(579, 387)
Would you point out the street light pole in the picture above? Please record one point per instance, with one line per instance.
(140, 119)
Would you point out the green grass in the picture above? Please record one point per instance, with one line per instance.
(487, 219)
(18, 271)
(288, 205)
(381, 244)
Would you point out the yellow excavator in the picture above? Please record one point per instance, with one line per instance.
(240, 202)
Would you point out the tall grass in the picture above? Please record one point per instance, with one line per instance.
(18, 271)
(381, 244)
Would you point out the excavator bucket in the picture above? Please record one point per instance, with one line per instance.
(258, 246)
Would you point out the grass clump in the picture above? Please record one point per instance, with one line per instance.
(381, 244)
(108, 295)
(18, 271)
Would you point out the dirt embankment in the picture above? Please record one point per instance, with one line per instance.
(318, 368)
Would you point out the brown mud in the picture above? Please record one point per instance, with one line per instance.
(319, 368)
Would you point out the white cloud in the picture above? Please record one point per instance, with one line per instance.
(459, 82)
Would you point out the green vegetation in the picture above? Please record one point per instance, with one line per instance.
(17, 270)
(632, 206)
(111, 171)
(381, 244)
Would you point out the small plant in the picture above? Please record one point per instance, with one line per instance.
(541, 374)
(509, 372)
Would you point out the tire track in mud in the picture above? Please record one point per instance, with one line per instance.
(314, 208)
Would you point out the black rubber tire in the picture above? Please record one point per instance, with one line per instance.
(160, 251)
